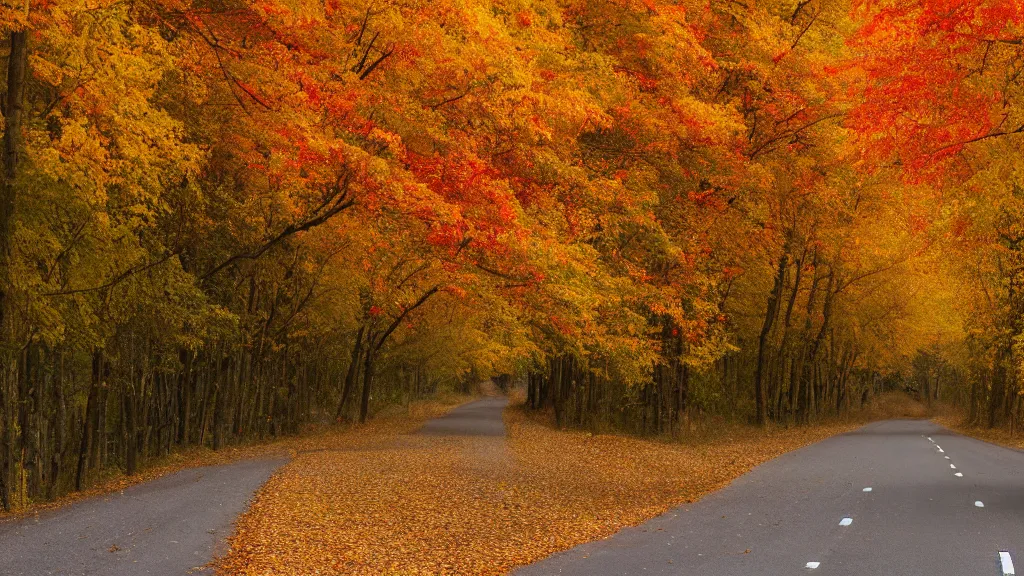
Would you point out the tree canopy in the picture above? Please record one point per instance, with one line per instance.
(225, 219)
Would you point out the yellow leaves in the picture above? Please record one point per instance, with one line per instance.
(391, 139)
(416, 505)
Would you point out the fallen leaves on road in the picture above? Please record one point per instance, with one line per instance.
(429, 505)
(384, 428)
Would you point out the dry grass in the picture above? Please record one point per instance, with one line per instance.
(481, 506)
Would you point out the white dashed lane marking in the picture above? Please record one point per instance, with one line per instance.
(868, 489)
(958, 475)
(814, 565)
(1007, 562)
(846, 521)
(953, 466)
(930, 440)
(979, 504)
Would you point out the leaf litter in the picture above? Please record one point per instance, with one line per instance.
(465, 505)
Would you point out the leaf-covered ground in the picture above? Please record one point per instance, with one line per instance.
(428, 505)
(383, 428)
(1003, 435)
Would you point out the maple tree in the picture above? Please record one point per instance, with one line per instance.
(223, 220)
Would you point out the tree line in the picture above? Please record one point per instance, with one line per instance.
(224, 220)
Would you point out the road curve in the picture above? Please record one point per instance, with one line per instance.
(810, 512)
(171, 526)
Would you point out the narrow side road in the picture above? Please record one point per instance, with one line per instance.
(902, 497)
(479, 418)
(171, 526)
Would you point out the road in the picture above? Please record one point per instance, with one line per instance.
(175, 525)
(901, 497)
(884, 500)
(171, 526)
(480, 418)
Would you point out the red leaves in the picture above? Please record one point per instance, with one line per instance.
(930, 78)
(443, 234)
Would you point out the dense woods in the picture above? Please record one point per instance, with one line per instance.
(222, 220)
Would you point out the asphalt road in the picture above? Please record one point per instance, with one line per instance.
(170, 526)
(809, 512)
(480, 418)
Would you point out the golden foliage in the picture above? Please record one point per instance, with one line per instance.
(430, 505)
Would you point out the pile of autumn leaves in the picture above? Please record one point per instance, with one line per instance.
(404, 504)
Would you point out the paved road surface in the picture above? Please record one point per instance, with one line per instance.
(479, 418)
(170, 526)
(175, 525)
(787, 516)
(806, 512)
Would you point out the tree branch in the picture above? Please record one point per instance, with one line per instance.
(118, 279)
(398, 321)
(341, 202)
(1017, 130)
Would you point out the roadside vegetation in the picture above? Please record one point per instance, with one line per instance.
(389, 423)
(1010, 435)
(224, 222)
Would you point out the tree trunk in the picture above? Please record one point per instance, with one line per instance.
(220, 407)
(996, 396)
(185, 392)
(762, 342)
(131, 432)
(351, 373)
(89, 420)
(59, 428)
(369, 368)
(17, 70)
(6, 432)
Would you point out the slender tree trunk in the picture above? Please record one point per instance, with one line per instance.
(100, 426)
(997, 395)
(977, 385)
(762, 342)
(59, 427)
(17, 70)
(28, 403)
(368, 374)
(89, 420)
(131, 431)
(785, 348)
(350, 374)
(185, 392)
(220, 407)
(6, 431)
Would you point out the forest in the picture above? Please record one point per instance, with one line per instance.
(226, 220)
